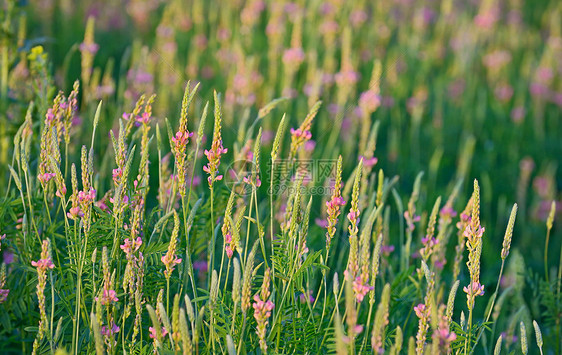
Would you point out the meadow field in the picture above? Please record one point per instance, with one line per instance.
(282, 177)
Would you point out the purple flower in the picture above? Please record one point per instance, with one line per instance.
(420, 310)
(91, 48)
(108, 296)
(248, 180)
(518, 114)
(3, 295)
(357, 18)
(46, 177)
(43, 264)
(170, 259)
(329, 27)
(75, 212)
(503, 92)
(370, 162)
(369, 101)
(8, 257)
(153, 332)
(387, 249)
(106, 331)
(309, 146)
(200, 265)
(387, 101)
(544, 74)
(347, 77)
(539, 90)
(474, 289)
(360, 288)
(131, 246)
(487, 19)
(322, 223)
(496, 59)
(303, 297)
(448, 212)
(298, 133)
(293, 57)
(214, 156)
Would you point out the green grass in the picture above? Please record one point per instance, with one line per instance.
(236, 239)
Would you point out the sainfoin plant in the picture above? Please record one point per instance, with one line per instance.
(330, 207)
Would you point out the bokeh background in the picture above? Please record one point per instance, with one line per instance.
(461, 89)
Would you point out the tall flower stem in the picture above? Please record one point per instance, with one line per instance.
(246, 245)
(260, 232)
(189, 263)
(271, 217)
(211, 260)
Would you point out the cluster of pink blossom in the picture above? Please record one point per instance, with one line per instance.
(248, 180)
(228, 245)
(474, 289)
(91, 48)
(333, 211)
(217, 150)
(347, 78)
(42, 265)
(262, 309)
(360, 288)
(443, 336)
(153, 332)
(301, 134)
(293, 57)
(130, 246)
(369, 101)
(369, 162)
(80, 201)
(411, 220)
(107, 297)
(3, 291)
(170, 260)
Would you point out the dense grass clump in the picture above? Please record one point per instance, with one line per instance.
(253, 176)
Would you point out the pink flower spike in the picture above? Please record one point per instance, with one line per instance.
(474, 289)
(420, 310)
(153, 332)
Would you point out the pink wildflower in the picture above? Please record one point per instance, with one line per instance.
(216, 151)
(369, 101)
(153, 332)
(368, 162)
(108, 297)
(109, 331)
(360, 289)
(420, 310)
(293, 57)
(131, 246)
(474, 289)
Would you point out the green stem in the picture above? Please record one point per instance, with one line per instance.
(75, 318)
(246, 245)
(271, 217)
(189, 264)
(52, 310)
(467, 341)
(260, 234)
(332, 316)
(494, 297)
(168, 295)
(546, 255)
(558, 343)
(241, 335)
(211, 245)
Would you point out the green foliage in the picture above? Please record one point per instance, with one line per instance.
(136, 251)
